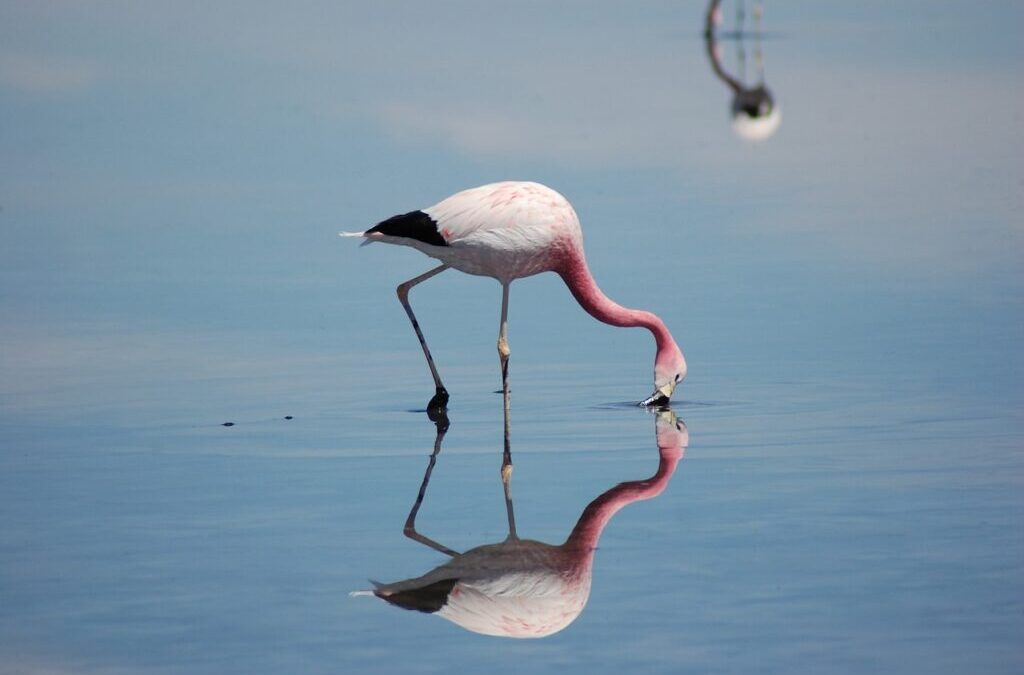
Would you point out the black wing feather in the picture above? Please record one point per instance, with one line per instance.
(427, 599)
(413, 225)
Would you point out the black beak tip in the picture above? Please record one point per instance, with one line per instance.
(655, 400)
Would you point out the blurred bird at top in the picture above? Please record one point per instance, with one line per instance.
(755, 115)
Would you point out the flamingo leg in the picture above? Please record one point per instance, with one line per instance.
(440, 399)
(503, 349)
(410, 522)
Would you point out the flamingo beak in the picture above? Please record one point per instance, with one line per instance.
(661, 396)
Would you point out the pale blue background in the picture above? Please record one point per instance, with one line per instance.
(848, 293)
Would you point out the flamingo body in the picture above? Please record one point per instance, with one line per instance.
(505, 230)
(511, 230)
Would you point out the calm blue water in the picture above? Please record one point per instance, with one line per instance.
(848, 293)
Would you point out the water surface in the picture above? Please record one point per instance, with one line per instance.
(847, 291)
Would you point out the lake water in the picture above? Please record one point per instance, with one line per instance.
(848, 292)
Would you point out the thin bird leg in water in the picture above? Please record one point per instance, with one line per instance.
(440, 398)
(410, 522)
(503, 349)
(506, 472)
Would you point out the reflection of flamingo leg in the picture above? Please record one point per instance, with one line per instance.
(506, 471)
(506, 479)
(758, 55)
(741, 56)
(410, 522)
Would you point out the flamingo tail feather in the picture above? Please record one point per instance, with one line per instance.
(376, 587)
(366, 242)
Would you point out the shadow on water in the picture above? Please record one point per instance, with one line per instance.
(522, 588)
(755, 115)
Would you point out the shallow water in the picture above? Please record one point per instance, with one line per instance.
(847, 292)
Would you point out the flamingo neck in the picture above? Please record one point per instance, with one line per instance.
(577, 277)
(597, 514)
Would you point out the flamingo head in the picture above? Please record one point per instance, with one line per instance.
(669, 371)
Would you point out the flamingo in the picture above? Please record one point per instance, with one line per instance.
(755, 115)
(507, 231)
(523, 588)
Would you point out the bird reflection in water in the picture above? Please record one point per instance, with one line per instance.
(755, 116)
(522, 588)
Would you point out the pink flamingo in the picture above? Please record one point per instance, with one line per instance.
(507, 231)
(523, 588)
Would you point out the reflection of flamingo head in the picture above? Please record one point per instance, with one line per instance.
(673, 436)
(755, 116)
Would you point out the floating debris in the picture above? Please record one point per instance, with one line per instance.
(228, 424)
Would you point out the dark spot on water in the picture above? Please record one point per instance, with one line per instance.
(288, 417)
(228, 424)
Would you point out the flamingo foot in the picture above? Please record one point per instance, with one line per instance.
(438, 404)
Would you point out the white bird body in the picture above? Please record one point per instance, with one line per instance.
(506, 230)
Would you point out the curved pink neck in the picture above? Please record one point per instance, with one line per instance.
(577, 277)
(597, 514)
